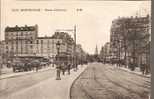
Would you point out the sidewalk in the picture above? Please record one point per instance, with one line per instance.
(11, 74)
(136, 71)
(50, 88)
(6, 70)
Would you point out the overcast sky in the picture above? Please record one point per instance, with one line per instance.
(93, 22)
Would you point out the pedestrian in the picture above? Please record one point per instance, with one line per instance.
(63, 68)
(69, 67)
(142, 68)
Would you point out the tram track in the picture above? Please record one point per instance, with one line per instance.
(98, 88)
(125, 82)
(129, 80)
(123, 86)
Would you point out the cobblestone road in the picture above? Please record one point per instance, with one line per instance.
(101, 81)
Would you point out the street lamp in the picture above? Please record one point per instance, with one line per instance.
(75, 57)
(58, 65)
(53, 59)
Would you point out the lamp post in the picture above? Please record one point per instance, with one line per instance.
(75, 57)
(53, 59)
(58, 65)
(119, 52)
(0, 56)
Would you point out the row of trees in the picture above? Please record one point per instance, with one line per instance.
(136, 43)
(130, 43)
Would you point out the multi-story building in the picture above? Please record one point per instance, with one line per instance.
(1, 48)
(24, 42)
(133, 32)
(46, 46)
(80, 54)
(67, 40)
(69, 47)
(105, 53)
(20, 41)
(3, 55)
(1, 51)
(102, 54)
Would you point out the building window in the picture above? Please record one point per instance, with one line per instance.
(37, 41)
(41, 41)
(16, 33)
(31, 42)
(6, 34)
(31, 46)
(6, 47)
(21, 33)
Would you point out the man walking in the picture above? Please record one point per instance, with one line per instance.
(69, 67)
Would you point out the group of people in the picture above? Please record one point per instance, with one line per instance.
(64, 67)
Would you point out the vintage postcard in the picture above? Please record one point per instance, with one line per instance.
(51, 49)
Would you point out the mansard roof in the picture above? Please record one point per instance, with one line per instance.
(22, 28)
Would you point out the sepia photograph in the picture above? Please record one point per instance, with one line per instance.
(75, 49)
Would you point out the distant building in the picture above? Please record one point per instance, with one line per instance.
(105, 53)
(1, 52)
(102, 54)
(96, 51)
(81, 55)
(3, 55)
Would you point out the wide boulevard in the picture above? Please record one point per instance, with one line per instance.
(102, 81)
(15, 84)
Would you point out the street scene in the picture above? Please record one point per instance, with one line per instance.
(98, 50)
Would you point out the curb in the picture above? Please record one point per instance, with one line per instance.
(26, 73)
(135, 73)
(74, 82)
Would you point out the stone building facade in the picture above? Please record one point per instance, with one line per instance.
(24, 41)
(46, 46)
(105, 54)
(20, 41)
(129, 37)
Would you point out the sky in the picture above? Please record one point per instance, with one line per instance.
(93, 19)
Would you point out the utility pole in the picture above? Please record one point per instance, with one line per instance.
(0, 57)
(75, 58)
(53, 59)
